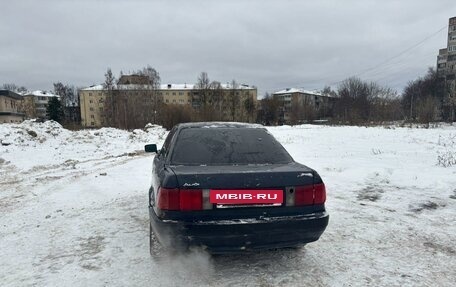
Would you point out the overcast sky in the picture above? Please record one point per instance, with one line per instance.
(269, 44)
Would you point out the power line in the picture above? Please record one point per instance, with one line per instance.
(396, 67)
(395, 56)
(403, 52)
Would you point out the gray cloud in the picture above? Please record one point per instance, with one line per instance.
(270, 44)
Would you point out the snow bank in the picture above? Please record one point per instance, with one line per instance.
(31, 143)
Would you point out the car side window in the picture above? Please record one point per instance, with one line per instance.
(164, 150)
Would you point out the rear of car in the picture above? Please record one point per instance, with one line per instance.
(232, 187)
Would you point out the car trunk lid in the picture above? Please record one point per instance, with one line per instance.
(243, 176)
(246, 185)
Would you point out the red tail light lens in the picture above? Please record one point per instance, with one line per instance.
(304, 195)
(191, 199)
(310, 194)
(183, 199)
(320, 193)
(168, 198)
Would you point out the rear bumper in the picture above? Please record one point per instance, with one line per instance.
(228, 236)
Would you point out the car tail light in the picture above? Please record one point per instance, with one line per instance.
(310, 194)
(168, 198)
(191, 199)
(319, 193)
(304, 195)
(180, 199)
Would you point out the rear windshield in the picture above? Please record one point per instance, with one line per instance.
(226, 146)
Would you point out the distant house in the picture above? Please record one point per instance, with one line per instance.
(35, 104)
(299, 105)
(10, 107)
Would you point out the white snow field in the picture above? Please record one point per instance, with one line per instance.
(73, 211)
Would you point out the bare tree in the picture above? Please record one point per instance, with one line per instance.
(384, 103)
(133, 105)
(249, 106)
(174, 114)
(327, 91)
(61, 90)
(360, 101)
(15, 88)
(149, 110)
(218, 100)
(450, 100)
(233, 99)
(416, 96)
(352, 105)
(66, 92)
(203, 85)
(68, 98)
(204, 98)
(269, 109)
(152, 75)
(427, 109)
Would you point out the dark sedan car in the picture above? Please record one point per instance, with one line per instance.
(232, 187)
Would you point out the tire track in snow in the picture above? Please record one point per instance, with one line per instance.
(18, 186)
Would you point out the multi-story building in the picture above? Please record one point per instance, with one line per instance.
(299, 105)
(446, 69)
(10, 107)
(35, 104)
(228, 102)
(442, 61)
(177, 94)
(124, 105)
(451, 57)
(133, 102)
(446, 60)
(92, 101)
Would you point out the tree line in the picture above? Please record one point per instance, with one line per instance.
(353, 101)
(430, 98)
(426, 99)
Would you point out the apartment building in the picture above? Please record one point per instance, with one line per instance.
(227, 102)
(446, 60)
(132, 102)
(92, 106)
(10, 107)
(299, 105)
(446, 69)
(442, 61)
(35, 104)
(177, 94)
(451, 47)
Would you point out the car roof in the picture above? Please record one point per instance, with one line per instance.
(218, 125)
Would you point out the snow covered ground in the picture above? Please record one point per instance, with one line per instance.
(73, 211)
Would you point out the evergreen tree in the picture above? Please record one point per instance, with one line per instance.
(54, 110)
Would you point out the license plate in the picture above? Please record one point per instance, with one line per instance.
(243, 196)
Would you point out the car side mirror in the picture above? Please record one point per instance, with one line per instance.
(150, 148)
